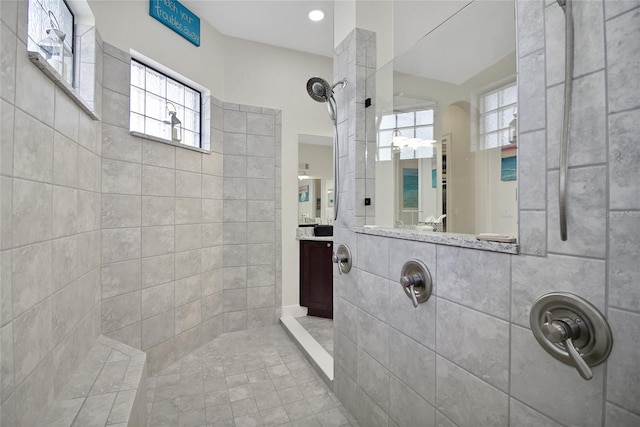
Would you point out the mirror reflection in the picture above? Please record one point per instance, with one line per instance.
(444, 122)
(315, 180)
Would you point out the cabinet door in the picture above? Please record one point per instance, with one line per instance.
(316, 278)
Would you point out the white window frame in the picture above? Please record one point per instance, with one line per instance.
(405, 130)
(203, 139)
(43, 24)
(504, 113)
(81, 86)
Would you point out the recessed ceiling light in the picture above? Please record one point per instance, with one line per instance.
(316, 15)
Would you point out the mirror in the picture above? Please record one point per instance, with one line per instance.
(443, 128)
(315, 180)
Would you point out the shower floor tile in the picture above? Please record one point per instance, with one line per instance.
(320, 329)
(248, 378)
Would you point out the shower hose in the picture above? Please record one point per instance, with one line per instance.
(566, 117)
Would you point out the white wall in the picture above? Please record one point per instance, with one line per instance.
(460, 172)
(237, 71)
(258, 74)
(127, 25)
(319, 158)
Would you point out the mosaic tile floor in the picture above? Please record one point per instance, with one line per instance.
(249, 378)
(320, 329)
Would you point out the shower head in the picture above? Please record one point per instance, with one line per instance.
(319, 89)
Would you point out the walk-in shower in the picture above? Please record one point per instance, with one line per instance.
(321, 91)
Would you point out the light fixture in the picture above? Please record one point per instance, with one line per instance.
(316, 15)
(411, 148)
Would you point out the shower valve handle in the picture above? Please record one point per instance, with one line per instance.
(564, 331)
(342, 258)
(339, 259)
(409, 282)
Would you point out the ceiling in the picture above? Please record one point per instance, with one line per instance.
(476, 37)
(274, 22)
(482, 31)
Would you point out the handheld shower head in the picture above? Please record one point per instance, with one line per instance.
(319, 89)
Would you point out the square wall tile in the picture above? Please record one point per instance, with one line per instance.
(477, 279)
(483, 404)
(623, 367)
(522, 415)
(414, 365)
(374, 379)
(63, 261)
(31, 276)
(32, 212)
(406, 408)
(121, 244)
(121, 177)
(581, 276)
(485, 352)
(533, 369)
(586, 208)
(624, 156)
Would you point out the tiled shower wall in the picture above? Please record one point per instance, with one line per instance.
(251, 291)
(180, 264)
(103, 232)
(162, 231)
(467, 356)
(50, 228)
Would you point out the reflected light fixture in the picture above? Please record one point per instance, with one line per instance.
(316, 15)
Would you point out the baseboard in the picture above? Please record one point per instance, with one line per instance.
(294, 310)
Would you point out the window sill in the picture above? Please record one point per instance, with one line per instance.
(169, 142)
(47, 69)
(450, 239)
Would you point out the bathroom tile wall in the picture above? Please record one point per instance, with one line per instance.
(50, 227)
(162, 231)
(251, 282)
(467, 356)
(189, 238)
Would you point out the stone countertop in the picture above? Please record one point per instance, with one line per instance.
(450, 239)
(316, 238)
(306, 233)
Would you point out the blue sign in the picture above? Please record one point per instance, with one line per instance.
(177, 17)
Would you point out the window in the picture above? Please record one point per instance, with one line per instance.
(163, 107)
(497, 111)
(409, 132)
(51, 34)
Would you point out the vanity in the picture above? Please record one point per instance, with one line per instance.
(316, 273)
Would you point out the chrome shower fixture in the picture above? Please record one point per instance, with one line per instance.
(321, 91)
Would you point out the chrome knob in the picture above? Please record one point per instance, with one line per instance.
(342, 258)
(572, 330)
(416, 281)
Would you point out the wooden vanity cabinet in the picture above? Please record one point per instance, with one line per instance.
(316, 277)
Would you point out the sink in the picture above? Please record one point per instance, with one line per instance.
(323, 230)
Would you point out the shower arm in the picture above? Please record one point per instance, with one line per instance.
(567, 8)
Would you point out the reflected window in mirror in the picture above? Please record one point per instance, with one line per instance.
(497, 117)
(408, 133)
(446, 108)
